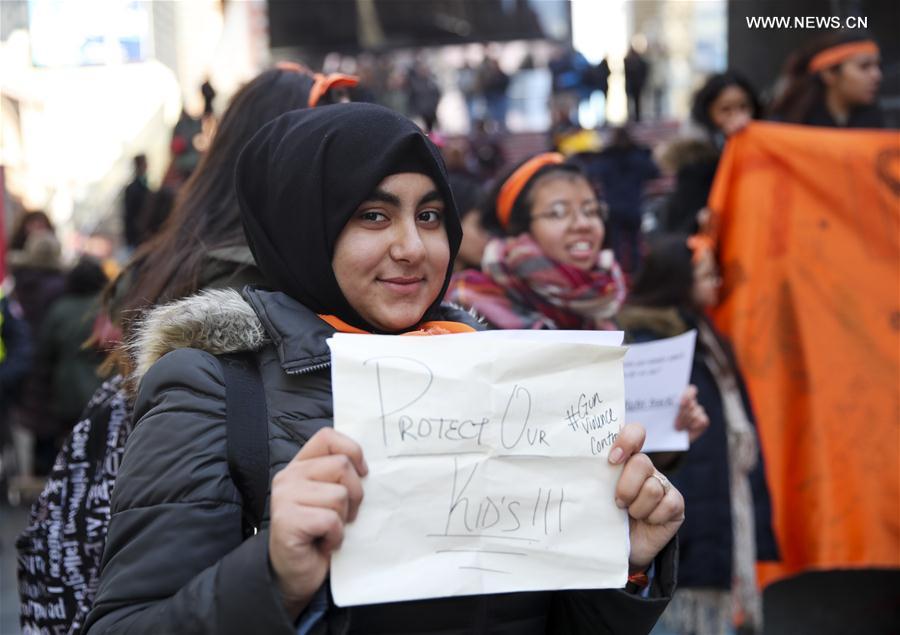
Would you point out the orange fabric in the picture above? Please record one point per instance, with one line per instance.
(517, 181)
(436, 327)
(808, 221)
(340, 326)
(324, 83)
(837, 54)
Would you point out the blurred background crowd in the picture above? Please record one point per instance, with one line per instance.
(109, 106)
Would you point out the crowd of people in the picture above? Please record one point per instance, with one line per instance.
(389, 228)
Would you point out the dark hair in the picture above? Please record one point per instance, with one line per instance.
(86, 277)
(621, 138)
(520, 217)
(205, 215)
(467, 193)
(20, 234)
(666, 276)
(804, 90)
(711, 90)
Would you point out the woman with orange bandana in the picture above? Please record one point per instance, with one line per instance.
(833, 82)
(546, 267)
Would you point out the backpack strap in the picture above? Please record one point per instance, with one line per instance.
(247, 423)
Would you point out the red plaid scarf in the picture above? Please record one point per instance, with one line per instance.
(521, 288)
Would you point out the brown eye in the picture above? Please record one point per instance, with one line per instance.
(372, 216)
(430, 216)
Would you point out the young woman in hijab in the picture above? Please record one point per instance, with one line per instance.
(202, 245)
(832, 82)
(722, 476)
(350, 219)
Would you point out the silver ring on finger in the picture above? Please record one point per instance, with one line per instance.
(666, 485)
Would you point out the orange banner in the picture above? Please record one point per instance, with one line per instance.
(808, 228)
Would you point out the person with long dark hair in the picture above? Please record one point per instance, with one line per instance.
(202, 245)
(349, 215)
(832, 82)
(202, 242)
(721, 475)
(722, 106)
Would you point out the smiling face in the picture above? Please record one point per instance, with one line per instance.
(566, 220)
(392, 256)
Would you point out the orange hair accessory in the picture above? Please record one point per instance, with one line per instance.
(700, 245)
(293, 67)
(517, 181)
(837, 54)
(324, 83)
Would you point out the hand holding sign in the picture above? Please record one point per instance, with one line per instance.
(691, 415)
(312, 498)
(655, 508)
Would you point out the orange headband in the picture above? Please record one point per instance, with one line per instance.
(699, 244)
(837, 54)
(517, 181)
(324, 83)
(321, 83)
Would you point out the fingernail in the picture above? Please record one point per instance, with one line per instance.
(616, 455)
(620, 503)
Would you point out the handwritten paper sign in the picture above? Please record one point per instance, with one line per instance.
(656, 375)
(604, 338)
(487, 466)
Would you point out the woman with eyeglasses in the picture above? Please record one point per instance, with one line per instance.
(729, 524)
(546, 268)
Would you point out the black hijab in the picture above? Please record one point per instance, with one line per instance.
(301, 178)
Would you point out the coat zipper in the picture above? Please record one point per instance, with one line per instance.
(309, 369)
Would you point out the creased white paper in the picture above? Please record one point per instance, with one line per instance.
(656, 376)
(488, 468)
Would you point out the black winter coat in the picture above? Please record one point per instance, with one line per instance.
(703, 477)
(175, 561)
(15, 358)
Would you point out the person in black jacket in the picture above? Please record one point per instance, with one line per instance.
(134, 198)
(721, 107)
(201, 246)
(350, 219)
(16, 350)
(721, 475)
(622, 169)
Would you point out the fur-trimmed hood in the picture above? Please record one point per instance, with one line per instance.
(664, 321)
(217, 321)
(224, 321)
